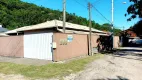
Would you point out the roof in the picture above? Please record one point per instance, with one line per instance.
(16, 30)
(3, 35)
(52, 24)
(81, 32)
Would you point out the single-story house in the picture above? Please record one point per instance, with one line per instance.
(47, 41)
(2, 29)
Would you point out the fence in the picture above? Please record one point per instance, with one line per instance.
(11, 46)
(68, 46)
(116, 42)
(71, 45)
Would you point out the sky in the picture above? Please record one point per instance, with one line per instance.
(79, 7)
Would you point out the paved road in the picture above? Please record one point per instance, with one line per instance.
(123, 65)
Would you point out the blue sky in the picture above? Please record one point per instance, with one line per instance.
(104, 6)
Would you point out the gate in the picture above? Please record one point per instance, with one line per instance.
(38, 46)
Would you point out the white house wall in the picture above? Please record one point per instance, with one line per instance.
(38, 45)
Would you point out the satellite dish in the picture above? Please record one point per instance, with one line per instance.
(124, 2)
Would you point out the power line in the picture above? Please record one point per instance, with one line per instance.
(95, 9)
(80, 3)
(101, 14)
(101, 18)
(97, 1)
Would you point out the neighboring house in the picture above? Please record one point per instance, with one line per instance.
(47, 41)
(2, 29)
(130, 33)
(128, 37)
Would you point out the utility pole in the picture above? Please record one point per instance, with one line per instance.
(90, 30)
(64, 16)
(112, 23)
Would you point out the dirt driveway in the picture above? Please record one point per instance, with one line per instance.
(123, 65)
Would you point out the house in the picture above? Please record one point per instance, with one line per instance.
(129, 33)
(127, 36)
(47, 41)
(2, 29)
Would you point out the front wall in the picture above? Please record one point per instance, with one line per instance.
(78, 47)
(94, 41)
(116, 41)
(11, 46)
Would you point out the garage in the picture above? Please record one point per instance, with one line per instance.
(38, 45)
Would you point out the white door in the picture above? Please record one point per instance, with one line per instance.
(38, 46)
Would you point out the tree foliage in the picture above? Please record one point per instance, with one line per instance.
(137, 29)
(135, 9)
(15, 13)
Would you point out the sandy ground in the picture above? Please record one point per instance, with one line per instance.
(123, 65)
(12, 77)
(24, 61)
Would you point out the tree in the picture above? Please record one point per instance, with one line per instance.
(135, 9)
(137, 29)
(15, 13)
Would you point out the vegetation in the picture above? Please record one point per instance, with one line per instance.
(137, 29)
(15, 13)
(135, 9)
(49, 70)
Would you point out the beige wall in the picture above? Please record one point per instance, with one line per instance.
(78, 47)
(94, 40)
(116, 41)
(11, 46)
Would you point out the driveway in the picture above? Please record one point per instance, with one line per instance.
(125, 64)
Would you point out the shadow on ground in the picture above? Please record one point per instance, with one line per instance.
(131, 50)
(135, 53)
(118, 78)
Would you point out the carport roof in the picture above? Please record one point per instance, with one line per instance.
(52, 24)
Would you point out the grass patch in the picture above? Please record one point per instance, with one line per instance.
(48, 71)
